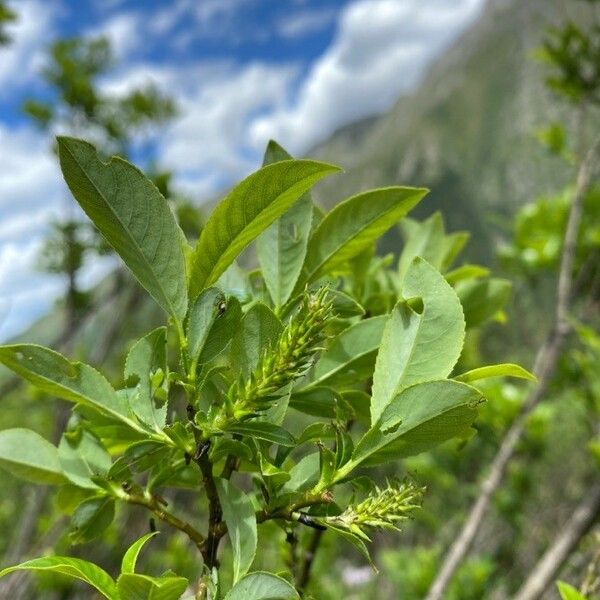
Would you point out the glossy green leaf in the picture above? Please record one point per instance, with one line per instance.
(73, 381)
(146, 359)
(246, 212)
(351, 352)
(134, 218)
(353, 225)
(482, 298)
(258, 330)
(82, 457)
(72, 567)
(133, 586)
(263, 430)
(238, 513)
(415, 346)
(281, 248)
(29, 456)
(503, 370)
(130, 557)
(418, 419)
(262, 586)
(91, 518)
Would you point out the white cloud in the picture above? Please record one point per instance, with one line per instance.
(307, 21)
(31, 194)
(380, 51)
(22, 59)
(123, 32)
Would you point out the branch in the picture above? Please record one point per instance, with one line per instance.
(576, 527)
(159, 510)
(545, 365)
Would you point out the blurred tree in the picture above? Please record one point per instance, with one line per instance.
(6, 16)
(77, 105)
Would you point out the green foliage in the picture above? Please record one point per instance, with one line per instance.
(6, 16)
(222, 397)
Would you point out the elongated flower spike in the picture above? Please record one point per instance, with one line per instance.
(381, 509)
(287, 360)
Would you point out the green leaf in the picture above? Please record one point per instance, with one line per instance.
(91, 518)
(147, 358)
(82, 457)
(350, 353)
(418, 347)
(281, 248)
(130, 557)
(141, 587)
(72, 567)
(262, 586)
(418, 419)
(353, 539)
(238, 513)
(258, 330)
(315, 401)
(428, 240)
(353, 225)
(55, 375)
(502, 370)
(246, 212)
(134, 218)
(29, 456)
(304, 474)
(212, 323)
(481, 299)
(466, 272)
(263, 430)
(568, 592)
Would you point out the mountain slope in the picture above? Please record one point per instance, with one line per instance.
(467, 133)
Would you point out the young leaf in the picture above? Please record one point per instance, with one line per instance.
(418, 346)
(353, 225)
(246, 212)
(418, 419)
(238, 513)
(130, 557)
(72, 567)
(134, 218)
(91, 518)
(262, 586)
(76, 382)
(568, 592)
(147, 357)
(212, 322)
(263, 430)
(503, 370)
(315, 401)
(351, 352)
(29, 456)
(281, 248)
(258, 330)
(132, 586)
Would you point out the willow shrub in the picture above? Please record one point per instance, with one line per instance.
(297, 378)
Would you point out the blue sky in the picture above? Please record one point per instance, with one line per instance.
(241, 71)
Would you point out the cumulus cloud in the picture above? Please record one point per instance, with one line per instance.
(380, 51)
